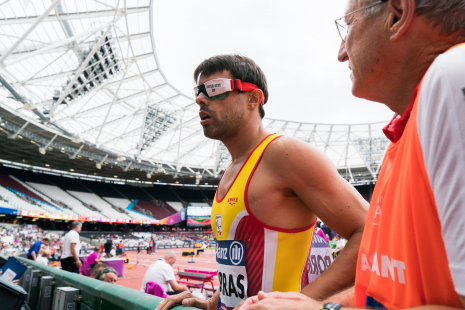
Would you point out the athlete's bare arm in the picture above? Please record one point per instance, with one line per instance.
(301, 183)
(188, 300)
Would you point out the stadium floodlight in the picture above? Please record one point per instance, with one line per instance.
(121, 158)
(149, 175)
(42, 150)
(98, 165)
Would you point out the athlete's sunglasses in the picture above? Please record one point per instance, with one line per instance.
(219, 89)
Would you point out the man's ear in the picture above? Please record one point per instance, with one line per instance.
(255, 98)
(401, 13)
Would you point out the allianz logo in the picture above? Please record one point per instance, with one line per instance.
(236, 253)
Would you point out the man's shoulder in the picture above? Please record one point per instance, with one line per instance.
(289, 153)
(449, 65)
(288, 148)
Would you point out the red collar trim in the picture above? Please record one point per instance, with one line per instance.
(396, 126)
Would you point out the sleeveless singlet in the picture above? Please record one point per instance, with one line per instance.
(251, 255)
(402, 261)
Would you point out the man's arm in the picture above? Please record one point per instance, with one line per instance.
(176, 286)
(188, 300)
(76, 257)
(329, 197)
(33, 254)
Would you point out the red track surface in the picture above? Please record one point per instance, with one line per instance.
(133, 278)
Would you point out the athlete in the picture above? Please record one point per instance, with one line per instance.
(269, 197)
(410, 56)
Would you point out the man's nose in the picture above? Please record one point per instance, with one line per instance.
(342, 54)
(201, 100)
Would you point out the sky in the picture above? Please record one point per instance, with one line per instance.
(295, 42)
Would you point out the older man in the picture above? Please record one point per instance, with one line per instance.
(162, 273)
(410, 56)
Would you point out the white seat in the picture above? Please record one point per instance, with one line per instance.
(105, 208)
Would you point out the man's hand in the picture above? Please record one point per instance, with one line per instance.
(187, 300)
(278, 300)
(79, 263)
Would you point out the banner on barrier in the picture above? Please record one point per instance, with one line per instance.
(85, 218)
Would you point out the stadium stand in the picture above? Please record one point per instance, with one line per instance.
(95, 201)
(158, 211)
(60, 197)
(176, 205)
(99, 199)
(10, 200)
(15, 186)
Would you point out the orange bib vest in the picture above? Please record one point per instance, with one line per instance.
(402, 261)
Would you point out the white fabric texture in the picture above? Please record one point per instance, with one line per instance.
(42, 260)
(441, 129)
(70, 237)
(160, 272)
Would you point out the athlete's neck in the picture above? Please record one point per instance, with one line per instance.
(247, 138)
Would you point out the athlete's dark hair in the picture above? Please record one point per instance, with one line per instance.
(240, 67)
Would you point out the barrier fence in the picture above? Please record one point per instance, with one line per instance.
(99, 295)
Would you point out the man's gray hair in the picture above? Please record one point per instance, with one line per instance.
(448, 14)
(75, 224)
(170, 254)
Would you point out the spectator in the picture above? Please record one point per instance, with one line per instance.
(202, 249)
(113, 251)
(120, 247)
(34, 250)
(107, 246)
(93, 259)
(108, 275)
(71, 245)
(43, 259)
(162, 273)
(340, 244)
(96, 269)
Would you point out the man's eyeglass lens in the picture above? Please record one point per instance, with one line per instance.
(342, 30)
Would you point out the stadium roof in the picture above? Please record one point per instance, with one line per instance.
(86, 71)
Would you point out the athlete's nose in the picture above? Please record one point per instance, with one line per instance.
(201, 100)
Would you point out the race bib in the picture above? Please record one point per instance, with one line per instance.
(230, 258)
(321, 257)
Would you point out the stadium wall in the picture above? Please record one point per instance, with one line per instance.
(99, 295)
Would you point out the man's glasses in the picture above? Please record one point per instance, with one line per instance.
(343, 27)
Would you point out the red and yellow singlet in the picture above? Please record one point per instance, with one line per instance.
(252, 255)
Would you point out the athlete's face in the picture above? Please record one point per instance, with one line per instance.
(365, 50)
(220, 119)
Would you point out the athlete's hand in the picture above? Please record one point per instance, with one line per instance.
(186, 299)
(278, 300)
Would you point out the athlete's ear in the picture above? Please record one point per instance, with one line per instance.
(255, 98)
(401, 14)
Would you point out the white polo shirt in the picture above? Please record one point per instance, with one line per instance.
(159, 272)
(70, 237)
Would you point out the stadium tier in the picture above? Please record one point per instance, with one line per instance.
(37, 192)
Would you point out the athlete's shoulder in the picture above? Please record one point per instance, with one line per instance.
(287, 152)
